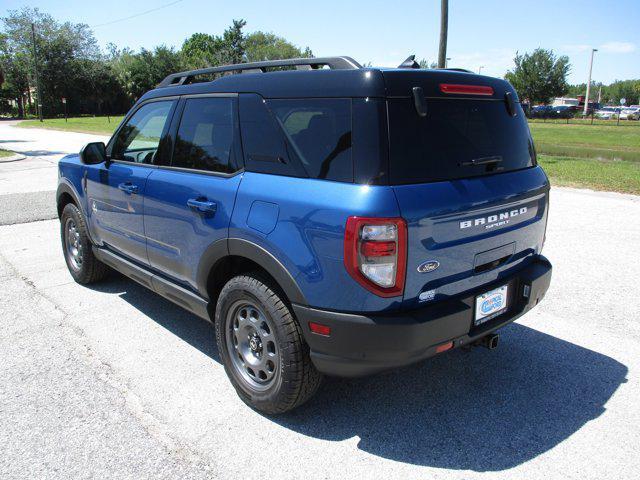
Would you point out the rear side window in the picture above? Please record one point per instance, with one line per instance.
(319, 131)
(205, 139)
(459, 138)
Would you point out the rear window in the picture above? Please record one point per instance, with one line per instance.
(319, 130)
(455, 134)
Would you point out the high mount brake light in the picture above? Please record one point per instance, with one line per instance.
(466, 89)
(375, 253)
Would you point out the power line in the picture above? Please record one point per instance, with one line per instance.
(136, 15)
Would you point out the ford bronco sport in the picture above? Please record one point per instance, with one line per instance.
(328, 218)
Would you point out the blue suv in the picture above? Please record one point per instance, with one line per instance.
(329, 219)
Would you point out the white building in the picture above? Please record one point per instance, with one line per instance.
(573, 102)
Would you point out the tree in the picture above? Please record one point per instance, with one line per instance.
(260, 46)
(202, 50)
(539, 76)
(140, 72)
(424, 63)
(64, 51)
(627, 89)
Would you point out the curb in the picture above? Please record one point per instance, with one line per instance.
(12, 158)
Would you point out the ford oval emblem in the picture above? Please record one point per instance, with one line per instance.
(429, 266)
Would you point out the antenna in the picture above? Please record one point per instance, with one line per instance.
(410, 62)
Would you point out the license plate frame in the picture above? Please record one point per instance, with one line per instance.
(490, 304)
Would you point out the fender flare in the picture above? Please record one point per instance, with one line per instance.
(66, 187)
(239, 247)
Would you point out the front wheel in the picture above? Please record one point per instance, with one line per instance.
(83, 266)
(262, 347)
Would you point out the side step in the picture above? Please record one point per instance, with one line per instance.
(175, 293)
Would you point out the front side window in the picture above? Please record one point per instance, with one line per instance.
(137, 141)
(319, 130)
(205, 139)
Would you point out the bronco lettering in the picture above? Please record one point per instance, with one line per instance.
(490, 221)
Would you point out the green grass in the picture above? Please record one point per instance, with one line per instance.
(6, 153)
(618, 175)
(625, 138)
(600, 157)
(100, 125)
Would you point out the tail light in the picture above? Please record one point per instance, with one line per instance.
(375, 253)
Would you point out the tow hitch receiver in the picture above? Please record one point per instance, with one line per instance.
(490, 341)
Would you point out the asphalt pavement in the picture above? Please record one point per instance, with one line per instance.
(113, 381)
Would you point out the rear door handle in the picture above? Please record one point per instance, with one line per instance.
(202, 205)
(128, 187)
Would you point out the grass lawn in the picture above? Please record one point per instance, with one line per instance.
(6, 153)
(601, 157)
(589, 141)
(618, 175)
(99, 125)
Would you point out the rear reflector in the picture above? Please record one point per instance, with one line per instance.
(320, 329)
(378, 249)
(444, 347)
(466, 89)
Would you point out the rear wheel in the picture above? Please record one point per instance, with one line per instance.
(262, 347)
(84, 267)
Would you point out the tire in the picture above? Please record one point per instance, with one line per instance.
(273, 374)
(83, 266)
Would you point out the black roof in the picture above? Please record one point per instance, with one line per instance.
(344, 78)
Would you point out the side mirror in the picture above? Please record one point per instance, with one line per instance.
(93, 153)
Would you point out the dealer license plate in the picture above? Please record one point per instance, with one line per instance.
(490, 304)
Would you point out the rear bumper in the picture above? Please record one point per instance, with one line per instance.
(364, 344)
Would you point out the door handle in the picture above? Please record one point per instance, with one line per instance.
(202, 206)
(128, 187)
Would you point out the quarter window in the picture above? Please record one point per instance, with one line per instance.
(205, 139)
(137, 141)
(319, 131)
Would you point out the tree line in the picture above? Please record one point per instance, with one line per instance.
(71, 65)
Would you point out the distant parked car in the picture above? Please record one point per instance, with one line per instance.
(608, 113)
(541, 111)
(631, 113)
(563, 111)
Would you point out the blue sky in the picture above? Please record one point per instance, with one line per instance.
(481, 33)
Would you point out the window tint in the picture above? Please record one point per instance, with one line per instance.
(138, 139)
(263, 141)
(205, 136)
(454, 134)
(319, 130)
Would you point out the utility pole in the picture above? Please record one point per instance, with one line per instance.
(586, 100)
(444, 22)
(480, 69)
(35, 65)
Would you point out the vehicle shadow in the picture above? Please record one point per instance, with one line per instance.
(470, 410)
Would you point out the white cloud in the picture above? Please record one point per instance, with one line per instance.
(617, 47)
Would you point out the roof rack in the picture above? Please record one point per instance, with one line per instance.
(334, 63)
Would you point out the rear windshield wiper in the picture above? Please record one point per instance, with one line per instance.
(482, 161)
